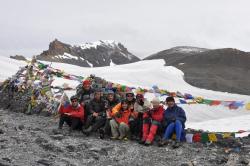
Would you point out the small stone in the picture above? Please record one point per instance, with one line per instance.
(6, 159)
(194, 162)
(44, 162)
(71, 148)
(244, 161)
(179, 152)
(21, 127)
(1, 131)
(57, 137)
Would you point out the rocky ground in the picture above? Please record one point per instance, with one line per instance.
(34, 140)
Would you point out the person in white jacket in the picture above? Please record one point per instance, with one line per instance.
(141, 105)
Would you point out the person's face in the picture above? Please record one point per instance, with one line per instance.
(74, 102)
(170, 104)
(124, 106)
(130, 97)
(155, 105)
(86, 86)
(110, 97)
(98, 95)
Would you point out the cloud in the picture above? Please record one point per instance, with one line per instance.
(143, 26)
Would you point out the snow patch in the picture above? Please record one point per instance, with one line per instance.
(112, 63)
(66, 56)
(104, 43)
(90, 64)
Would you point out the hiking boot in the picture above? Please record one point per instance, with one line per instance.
(177, 144)
(125, 139)
(101, 134)
(164, 142)
(142, 142)
(87, 131)
(148, 143)
(121, 137)
(114, 138)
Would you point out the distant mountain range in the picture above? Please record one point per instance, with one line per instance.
(224, 69)
(96, 54)
(216, 69)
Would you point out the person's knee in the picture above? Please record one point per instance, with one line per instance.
(178, 123)
(112, 123)
(124, 126)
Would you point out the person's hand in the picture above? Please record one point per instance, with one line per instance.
(108, 113)
(118, 115)
(67, 114)
(95, 114)
(173, 119)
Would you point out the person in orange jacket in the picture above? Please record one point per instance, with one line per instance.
(120, 122)
(130, 98)
(151, 121)
(72, 114)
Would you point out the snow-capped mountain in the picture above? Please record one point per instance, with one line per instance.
(95, 54)
(217, 69)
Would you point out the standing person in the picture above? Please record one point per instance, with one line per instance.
(175, 117)
(97, 117)
(151, 122)
(141, 105)
(120, 122)
(72, 114)
(111, 101)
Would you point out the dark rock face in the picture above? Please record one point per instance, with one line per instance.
(18, 57)
(225, 70)
(95, 54)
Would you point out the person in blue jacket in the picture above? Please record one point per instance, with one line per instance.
(175, 119)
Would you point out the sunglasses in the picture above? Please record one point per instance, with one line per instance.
(130, 96)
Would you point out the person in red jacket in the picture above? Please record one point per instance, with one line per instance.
(151, 121)
(72, 114)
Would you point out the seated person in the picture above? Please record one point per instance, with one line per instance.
(72, 114)
(97, 117)
(111, 101)
(175, 118)
(141, 105)
(130, 98)
(85, 93)
(151, 121)
(119, 123)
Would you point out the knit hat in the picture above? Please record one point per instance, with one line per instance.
(86, 82)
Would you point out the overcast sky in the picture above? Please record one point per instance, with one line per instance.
(143, 26)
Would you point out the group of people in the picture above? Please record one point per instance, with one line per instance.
(121, 118)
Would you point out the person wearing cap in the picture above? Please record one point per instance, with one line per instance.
(97, 117)
(151, 122)
(130, 98)
(175, 118)
(120, 122)
(141, 105)
(85, 92)
(72, 114)
(111, 101)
